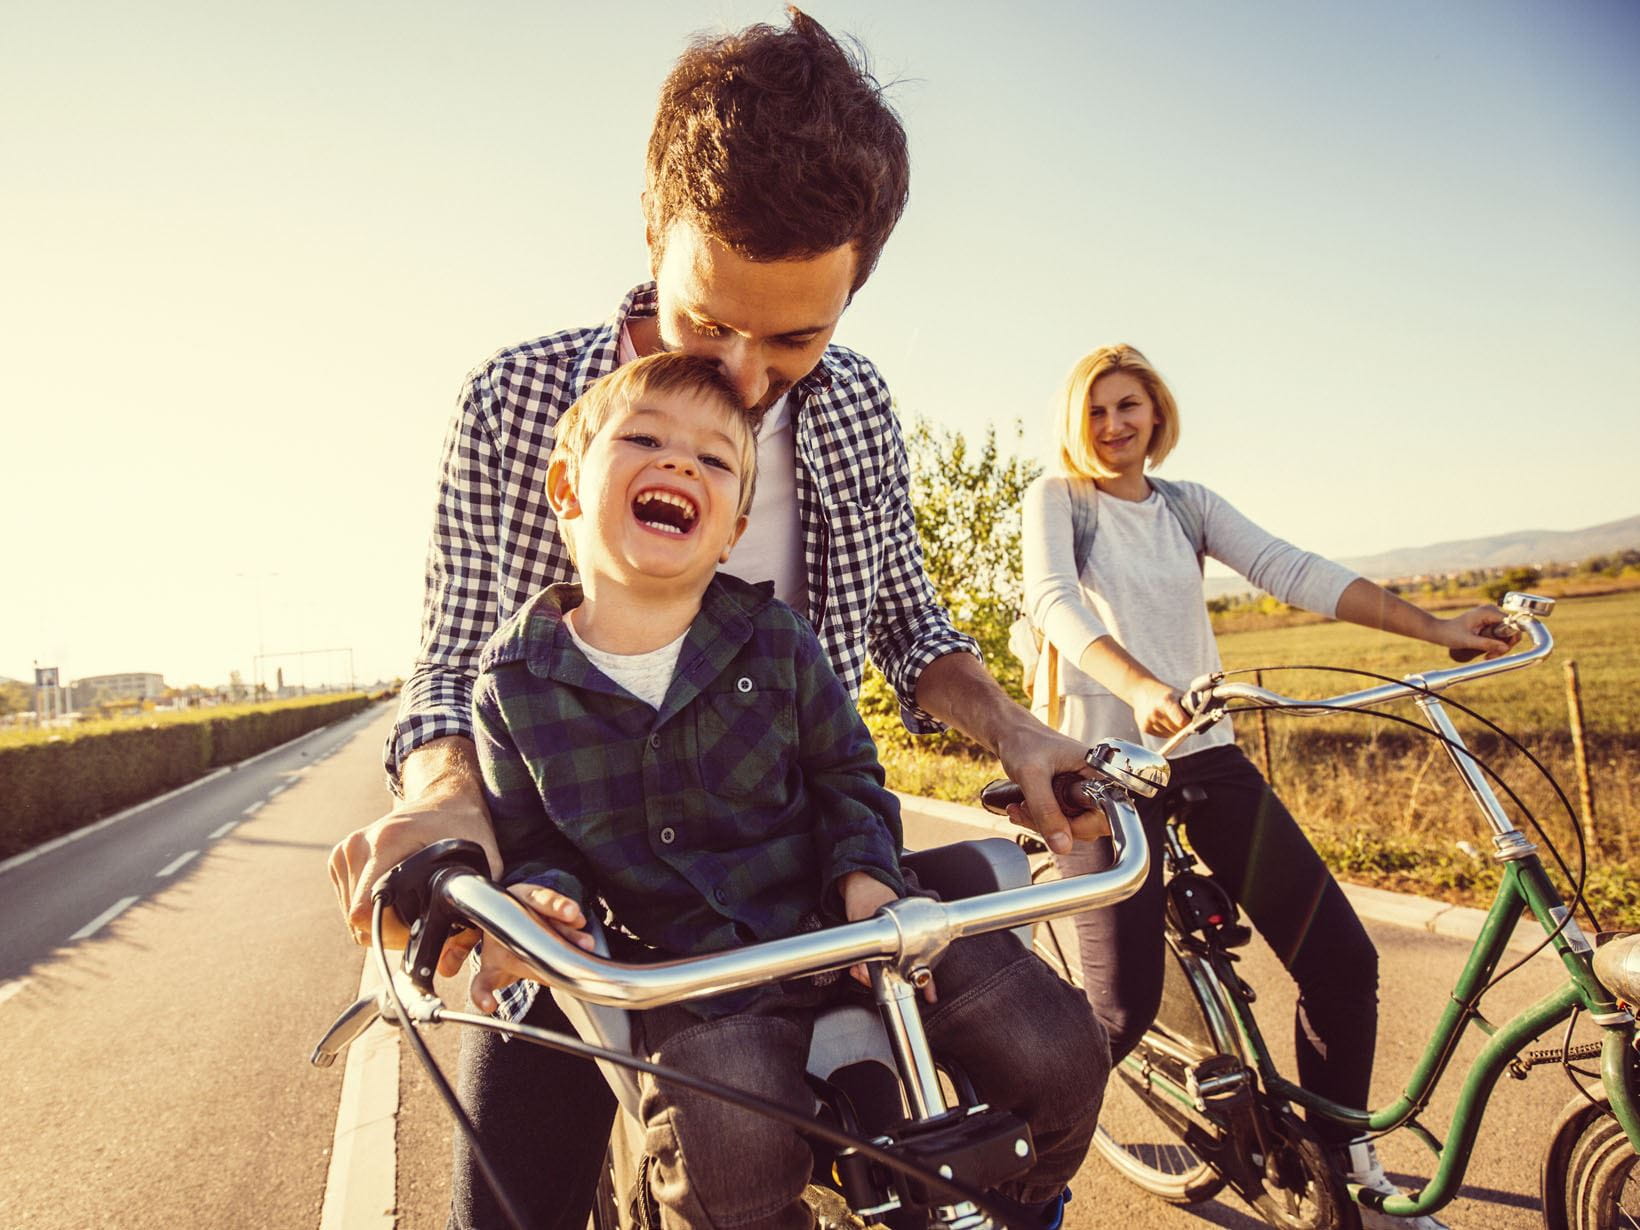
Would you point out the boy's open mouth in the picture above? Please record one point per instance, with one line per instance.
(666, 511)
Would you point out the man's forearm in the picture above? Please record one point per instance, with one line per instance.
(959, 691)
(442, 769)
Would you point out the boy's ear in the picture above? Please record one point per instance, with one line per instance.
(734, 537)
(561, 490)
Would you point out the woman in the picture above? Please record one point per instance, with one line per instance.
(1115, 587)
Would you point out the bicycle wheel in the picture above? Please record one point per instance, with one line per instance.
(1144, 1134)
(1603, 1179)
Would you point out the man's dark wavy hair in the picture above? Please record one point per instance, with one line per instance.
(779, 145)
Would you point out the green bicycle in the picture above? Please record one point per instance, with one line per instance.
(1199, 1103)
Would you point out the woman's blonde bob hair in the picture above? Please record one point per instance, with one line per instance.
(1075, 436)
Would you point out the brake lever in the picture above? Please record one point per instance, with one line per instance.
(410, 890)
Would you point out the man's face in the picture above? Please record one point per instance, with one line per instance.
(765, 322)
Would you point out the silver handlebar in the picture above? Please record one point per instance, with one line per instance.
(909, 933)
(1209, 694)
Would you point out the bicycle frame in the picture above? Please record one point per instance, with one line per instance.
(1525, 885)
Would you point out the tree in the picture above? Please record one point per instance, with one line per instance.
(967, 501)
(16, 696)
(1514, 578)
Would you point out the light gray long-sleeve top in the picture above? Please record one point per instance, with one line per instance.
(1142, 587)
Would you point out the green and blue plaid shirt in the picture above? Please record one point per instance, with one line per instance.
(723, 818)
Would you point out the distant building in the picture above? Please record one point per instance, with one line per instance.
(101, 689)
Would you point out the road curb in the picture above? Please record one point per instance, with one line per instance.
(1457, 922)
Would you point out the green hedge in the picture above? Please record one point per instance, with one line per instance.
(57, 783)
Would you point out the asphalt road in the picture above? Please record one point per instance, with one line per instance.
(155, 1069)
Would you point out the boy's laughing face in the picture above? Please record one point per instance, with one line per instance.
(658, 491)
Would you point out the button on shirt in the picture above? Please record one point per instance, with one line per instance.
(737, 825)
(495, 542)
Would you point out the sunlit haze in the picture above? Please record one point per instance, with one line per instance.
(1388, 256)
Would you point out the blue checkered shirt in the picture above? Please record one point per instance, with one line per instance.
(495, 541)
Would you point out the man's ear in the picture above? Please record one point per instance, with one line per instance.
(734, 537)
(561, 490)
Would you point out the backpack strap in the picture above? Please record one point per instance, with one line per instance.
(1084, 519)
(1186, 513)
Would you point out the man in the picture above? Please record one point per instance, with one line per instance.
(776, 173)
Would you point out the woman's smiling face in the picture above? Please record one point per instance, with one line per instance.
(1121, 420)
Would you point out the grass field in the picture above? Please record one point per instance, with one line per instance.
(1383, 804)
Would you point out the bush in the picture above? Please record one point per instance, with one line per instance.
(58, 782)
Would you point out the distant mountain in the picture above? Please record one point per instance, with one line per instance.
(1498, 551)
(1501, 550)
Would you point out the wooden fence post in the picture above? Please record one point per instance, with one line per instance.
(1264, 735)
(1580, 753)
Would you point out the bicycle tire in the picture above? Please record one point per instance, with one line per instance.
(1603, 1179)
(1141, 1134)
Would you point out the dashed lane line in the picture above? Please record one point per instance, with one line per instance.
(222, 830)
(102, 920)
(176, 864)
(279, 789)
(254, 808)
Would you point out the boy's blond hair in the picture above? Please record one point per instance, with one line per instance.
(671, 372)
(1077, 455)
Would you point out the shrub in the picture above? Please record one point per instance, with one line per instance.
(55, 783)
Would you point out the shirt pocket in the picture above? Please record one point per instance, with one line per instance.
(746, 737)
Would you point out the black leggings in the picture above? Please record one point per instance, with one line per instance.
(1258, 853)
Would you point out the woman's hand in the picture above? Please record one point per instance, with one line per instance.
(498, 968)
(863, 895)
(1156, 707)
(1481, 630)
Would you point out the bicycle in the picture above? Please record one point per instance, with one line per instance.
(901, 1139)
(1199, 1104)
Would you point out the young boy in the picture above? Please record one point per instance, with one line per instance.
(675, 742)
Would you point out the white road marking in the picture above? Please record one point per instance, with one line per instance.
(361, 1188)
(176, 865)
(279, 789)
(102, 920)
(8, 989)
(222, 830)
(254, 808)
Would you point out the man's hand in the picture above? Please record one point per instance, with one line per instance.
(863, 896)
(445, 801)
(498, 968)
(1032, 755)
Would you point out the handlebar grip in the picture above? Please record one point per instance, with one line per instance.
(1067, 791)
(1463, 655)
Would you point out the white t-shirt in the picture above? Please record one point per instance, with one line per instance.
(771, 549)
(645, 675)
(1142, 587)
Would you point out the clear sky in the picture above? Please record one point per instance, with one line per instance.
(1388, 256)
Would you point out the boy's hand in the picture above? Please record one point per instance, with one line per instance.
(498, 968)
(863, 896)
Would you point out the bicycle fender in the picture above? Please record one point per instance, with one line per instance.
(1617, 965)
